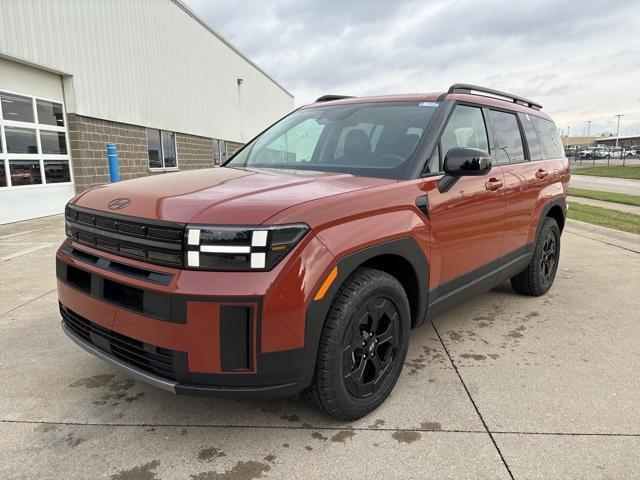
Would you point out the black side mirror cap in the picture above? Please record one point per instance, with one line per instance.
(460, 162)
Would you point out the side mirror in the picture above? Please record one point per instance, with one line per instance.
(461, 162)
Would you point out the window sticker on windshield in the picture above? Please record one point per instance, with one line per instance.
(428, 104)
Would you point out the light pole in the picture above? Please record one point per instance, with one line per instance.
(618, 136)
(589, 127)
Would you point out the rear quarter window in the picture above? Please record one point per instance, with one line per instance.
(549, 138)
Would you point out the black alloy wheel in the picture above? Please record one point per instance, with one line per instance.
(548, 258)
(370, 347)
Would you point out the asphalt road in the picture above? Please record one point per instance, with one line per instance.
(505, 386)
(606, 184)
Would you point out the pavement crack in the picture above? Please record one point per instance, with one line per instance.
(312, 428)
(27, 303)
(504, 462)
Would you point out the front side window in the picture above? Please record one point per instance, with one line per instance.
(362, 139)
(466, 129)
(161, 146)
(508, 140)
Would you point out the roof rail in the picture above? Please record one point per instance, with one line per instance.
(475, 89)
(328, 98)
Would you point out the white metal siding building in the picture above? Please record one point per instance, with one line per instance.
(126, 72)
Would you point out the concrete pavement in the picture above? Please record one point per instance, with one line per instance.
(504, 386)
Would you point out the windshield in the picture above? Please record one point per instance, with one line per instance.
(366, 139)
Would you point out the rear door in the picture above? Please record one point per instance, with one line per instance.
(525, 174)
(467, 221)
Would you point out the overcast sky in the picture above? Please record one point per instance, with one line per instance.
(580, 59)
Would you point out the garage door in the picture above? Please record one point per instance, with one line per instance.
(35, 165)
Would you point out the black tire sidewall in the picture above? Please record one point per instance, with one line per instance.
(384, 286)
(550, 225)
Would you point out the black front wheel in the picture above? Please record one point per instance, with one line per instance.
(363, 345)
(537, 278)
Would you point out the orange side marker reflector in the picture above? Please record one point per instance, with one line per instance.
(327, 283)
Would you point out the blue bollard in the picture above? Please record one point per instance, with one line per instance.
(112, 157)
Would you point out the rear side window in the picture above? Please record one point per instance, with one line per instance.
(551, 144)
(465, 129)
(508, 140)
(535, 150)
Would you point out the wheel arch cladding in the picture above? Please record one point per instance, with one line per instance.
(557, 213)
(402, 257)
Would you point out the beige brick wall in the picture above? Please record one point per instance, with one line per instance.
(233, 147)
(194, 152)
(88, 138)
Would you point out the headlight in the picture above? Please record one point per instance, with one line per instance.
(240, 248)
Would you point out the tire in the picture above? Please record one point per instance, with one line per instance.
(537, 278)
(363, 346)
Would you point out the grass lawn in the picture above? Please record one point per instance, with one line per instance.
(627, 222)
(606, 196)
(616, 172)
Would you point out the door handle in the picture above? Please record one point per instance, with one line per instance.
(493, 184)
(541, 174)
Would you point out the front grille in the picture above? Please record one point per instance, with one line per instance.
(144, 356)
(151, 241)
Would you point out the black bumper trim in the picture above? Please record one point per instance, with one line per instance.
(268, 391)
(162, 383)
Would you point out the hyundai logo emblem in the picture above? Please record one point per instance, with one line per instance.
(119, 203)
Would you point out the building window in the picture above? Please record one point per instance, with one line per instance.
(219, 152)
(21, 140)
(25, 172)
(53, 142)
(57, 171)
(17, 108)
(33, 142)
(49, 113)
(162, 149)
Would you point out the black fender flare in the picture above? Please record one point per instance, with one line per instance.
(559, 202)
(405, 247)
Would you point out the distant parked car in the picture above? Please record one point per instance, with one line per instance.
(595, 153)
(585, 153)
(630, 153)
(615, 152)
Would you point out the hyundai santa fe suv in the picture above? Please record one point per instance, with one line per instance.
(301, 264)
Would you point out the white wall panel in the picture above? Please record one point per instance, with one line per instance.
(144, 62)
(17, 77)
(23, 203)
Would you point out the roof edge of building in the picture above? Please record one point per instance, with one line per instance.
(219, 36)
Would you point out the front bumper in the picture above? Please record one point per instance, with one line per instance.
(271, 391)
(200, 333)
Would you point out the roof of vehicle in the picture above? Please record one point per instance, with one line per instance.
(460, 94)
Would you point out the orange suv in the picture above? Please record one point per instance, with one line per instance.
(301, 265)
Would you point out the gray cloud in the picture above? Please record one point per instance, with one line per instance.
(581, 60)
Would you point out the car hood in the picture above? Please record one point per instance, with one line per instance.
(221, 195)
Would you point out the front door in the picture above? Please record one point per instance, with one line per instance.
(467, 220)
